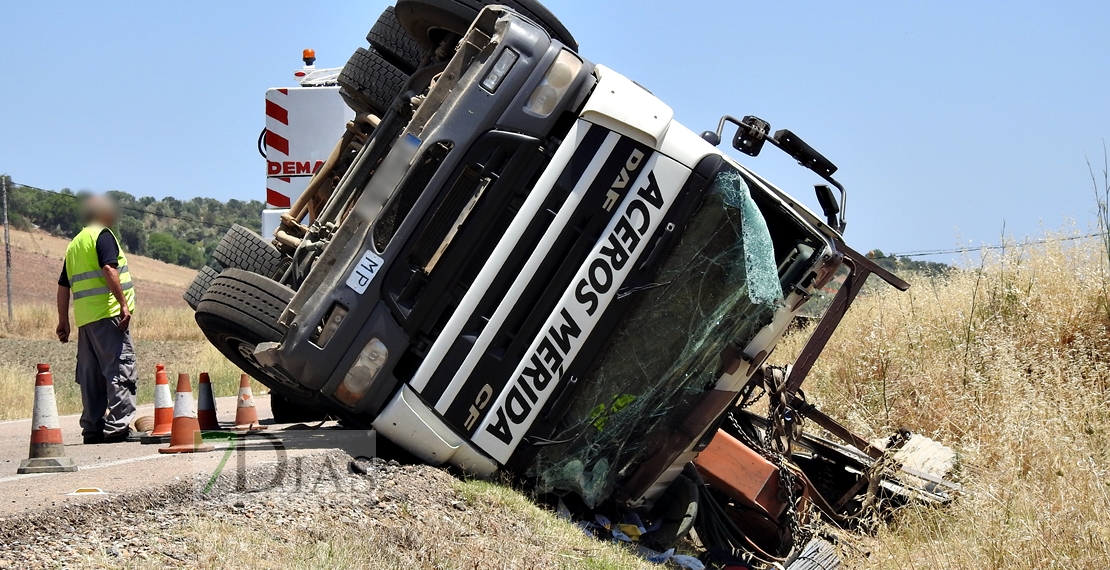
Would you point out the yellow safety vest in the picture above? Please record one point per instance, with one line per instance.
(92, 301)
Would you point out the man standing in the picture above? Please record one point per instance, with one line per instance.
(96, 272)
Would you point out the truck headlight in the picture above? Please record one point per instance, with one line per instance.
(362, 374)
(546, 96)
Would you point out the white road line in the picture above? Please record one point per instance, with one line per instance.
(101, 465)
(87, 467)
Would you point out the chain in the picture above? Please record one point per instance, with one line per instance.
(779, 435)
(786, 485)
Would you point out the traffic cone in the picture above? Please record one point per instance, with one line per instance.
(47, 454)
(245, 415)
(206, 404)
(163, 407)
(185, 436)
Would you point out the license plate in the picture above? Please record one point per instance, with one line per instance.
(364, 272)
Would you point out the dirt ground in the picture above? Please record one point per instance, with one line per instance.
(157, 283)
(324, 509)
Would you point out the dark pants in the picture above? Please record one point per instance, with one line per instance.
(106, 374)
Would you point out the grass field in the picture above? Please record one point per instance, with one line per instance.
(1008, 361)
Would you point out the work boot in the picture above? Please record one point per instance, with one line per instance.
(93, 438)
(127, 435)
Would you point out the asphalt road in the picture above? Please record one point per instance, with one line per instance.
(125, 467)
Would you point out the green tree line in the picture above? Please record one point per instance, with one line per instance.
(905, 264)
(182, 232)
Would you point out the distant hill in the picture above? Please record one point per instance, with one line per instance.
(160, 284)
(899, 265)
(179, 232)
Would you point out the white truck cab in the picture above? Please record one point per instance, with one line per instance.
(514, 259)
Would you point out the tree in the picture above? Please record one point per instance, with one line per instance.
(190, 229)
(132, 234)
(162, 247)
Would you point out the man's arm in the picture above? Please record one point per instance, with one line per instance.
(111, 275)
(63, 314)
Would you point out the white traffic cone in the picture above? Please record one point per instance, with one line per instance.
(47, 454)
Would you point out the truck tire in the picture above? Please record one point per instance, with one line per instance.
(239, 311)
(391, 40)
(199, 286)
(244, 249)
(429, 21)
(369, 83)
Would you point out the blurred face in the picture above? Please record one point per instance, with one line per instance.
(101, 209)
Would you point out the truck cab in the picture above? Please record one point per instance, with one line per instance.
(521, 262)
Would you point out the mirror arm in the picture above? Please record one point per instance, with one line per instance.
(714, 138)
(841, 221)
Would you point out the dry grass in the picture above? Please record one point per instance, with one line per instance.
(17, 395)
(150, 323)
(153, 324)
(1008, 360)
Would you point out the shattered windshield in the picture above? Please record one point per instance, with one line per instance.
(719, 285)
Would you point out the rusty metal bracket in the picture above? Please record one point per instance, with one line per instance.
(860, 268)
(810, 412)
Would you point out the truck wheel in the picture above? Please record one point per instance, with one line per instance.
(244, 249)
(369, 83)
(429, 21)
(286, 411)
(391, 40)
(239, 311)
(199, 286)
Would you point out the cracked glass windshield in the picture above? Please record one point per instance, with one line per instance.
(719, 285)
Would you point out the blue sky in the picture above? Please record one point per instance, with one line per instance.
(947, 120)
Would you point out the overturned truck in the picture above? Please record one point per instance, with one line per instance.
(515, 260)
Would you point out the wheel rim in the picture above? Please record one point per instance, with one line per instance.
(245, 349)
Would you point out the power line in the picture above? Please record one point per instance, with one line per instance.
(928, 252)
(918, 253)
(128, 208)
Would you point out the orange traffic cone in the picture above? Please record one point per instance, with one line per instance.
(163, 408)
(245, 415)
(47, 454)
(206, 404)
(186, 429)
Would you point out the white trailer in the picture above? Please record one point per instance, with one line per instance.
(302, 125)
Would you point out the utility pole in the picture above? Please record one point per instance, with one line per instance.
(7, 246)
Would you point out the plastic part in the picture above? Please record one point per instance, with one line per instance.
(620, 105)
(408, 422)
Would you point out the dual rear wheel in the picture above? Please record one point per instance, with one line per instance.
(406, 36)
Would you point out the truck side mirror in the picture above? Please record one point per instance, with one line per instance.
(827, 199)
(751, 135)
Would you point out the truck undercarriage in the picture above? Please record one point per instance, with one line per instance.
(515, 260)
